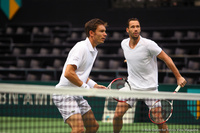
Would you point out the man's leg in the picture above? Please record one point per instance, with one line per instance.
(90, 122)
(76, 123)
(120, 110)
(156, 112)
(157, 115)
(163, 128)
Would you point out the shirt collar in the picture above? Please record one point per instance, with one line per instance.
(90, 45)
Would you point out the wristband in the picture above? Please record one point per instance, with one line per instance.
(91, 83)
(84, 85)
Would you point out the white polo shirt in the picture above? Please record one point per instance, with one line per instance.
(142, 63)
(83, 56)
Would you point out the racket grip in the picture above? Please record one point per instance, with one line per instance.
(177, 88)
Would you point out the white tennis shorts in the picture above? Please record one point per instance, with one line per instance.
(70, 105)
(148, 102)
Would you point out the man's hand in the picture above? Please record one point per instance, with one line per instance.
(100, 86)
(181, 81)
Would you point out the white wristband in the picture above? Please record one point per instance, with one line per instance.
(91, 83)
(84, 85)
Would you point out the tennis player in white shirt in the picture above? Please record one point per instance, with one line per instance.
(141, 56)
(75, 110)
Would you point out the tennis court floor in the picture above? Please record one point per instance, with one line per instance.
(56, 125)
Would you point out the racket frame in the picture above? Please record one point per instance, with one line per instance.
(109, 87)
(171, 103)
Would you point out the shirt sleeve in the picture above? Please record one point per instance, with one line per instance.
(154, 48)
(76, 56)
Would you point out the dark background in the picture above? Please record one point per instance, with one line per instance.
(79, 11)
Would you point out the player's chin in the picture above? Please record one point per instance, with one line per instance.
(103, 39)
(100, 42)
(135, 37)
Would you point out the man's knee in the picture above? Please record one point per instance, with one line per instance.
(96, 126)
(93, 128)
(118, 116)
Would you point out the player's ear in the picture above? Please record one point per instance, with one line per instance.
(91, 33)
(127, 30)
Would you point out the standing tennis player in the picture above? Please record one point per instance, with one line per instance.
(141, 56)
(75, 110)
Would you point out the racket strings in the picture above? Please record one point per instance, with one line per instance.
(120, 85)
(161, 111)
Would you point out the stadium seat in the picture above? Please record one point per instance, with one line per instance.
(35, 64)
(57, 41)
(83, 35)
(169, 80)
(20, 30)
(15, 76)
(193, 65)
(197, 3)
(114, 64)
(120, 52)
(21, 63)
(100, 64)
(2, 76)
(74, 36)
(44, 51)
(116, 36)
(56, 51)
(36, 30)
(178, 35)
(152, 3)
(190, 80)
(9, 30)
(46, 30)
(47, 40)
(29, 51)
(191, 35)
(17, 51)
(145, 34)
(32, 77)
(101, 51)
(66, 51)
(139, 3)
(181, 51)
(157, 35)
(168, 51)
(58, 64)
(103, 77)
(46, 77)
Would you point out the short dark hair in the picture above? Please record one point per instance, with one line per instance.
(132, 19)
(93, 24)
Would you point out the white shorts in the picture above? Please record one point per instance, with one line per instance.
(70, 105)
(148, 102)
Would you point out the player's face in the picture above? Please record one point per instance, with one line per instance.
(100, 34)
(134, 29)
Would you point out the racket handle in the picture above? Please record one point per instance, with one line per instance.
(177, 88)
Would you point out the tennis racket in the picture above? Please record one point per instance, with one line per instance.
(120, 84)
(161, 110)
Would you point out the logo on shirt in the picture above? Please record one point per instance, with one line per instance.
(72, 111)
